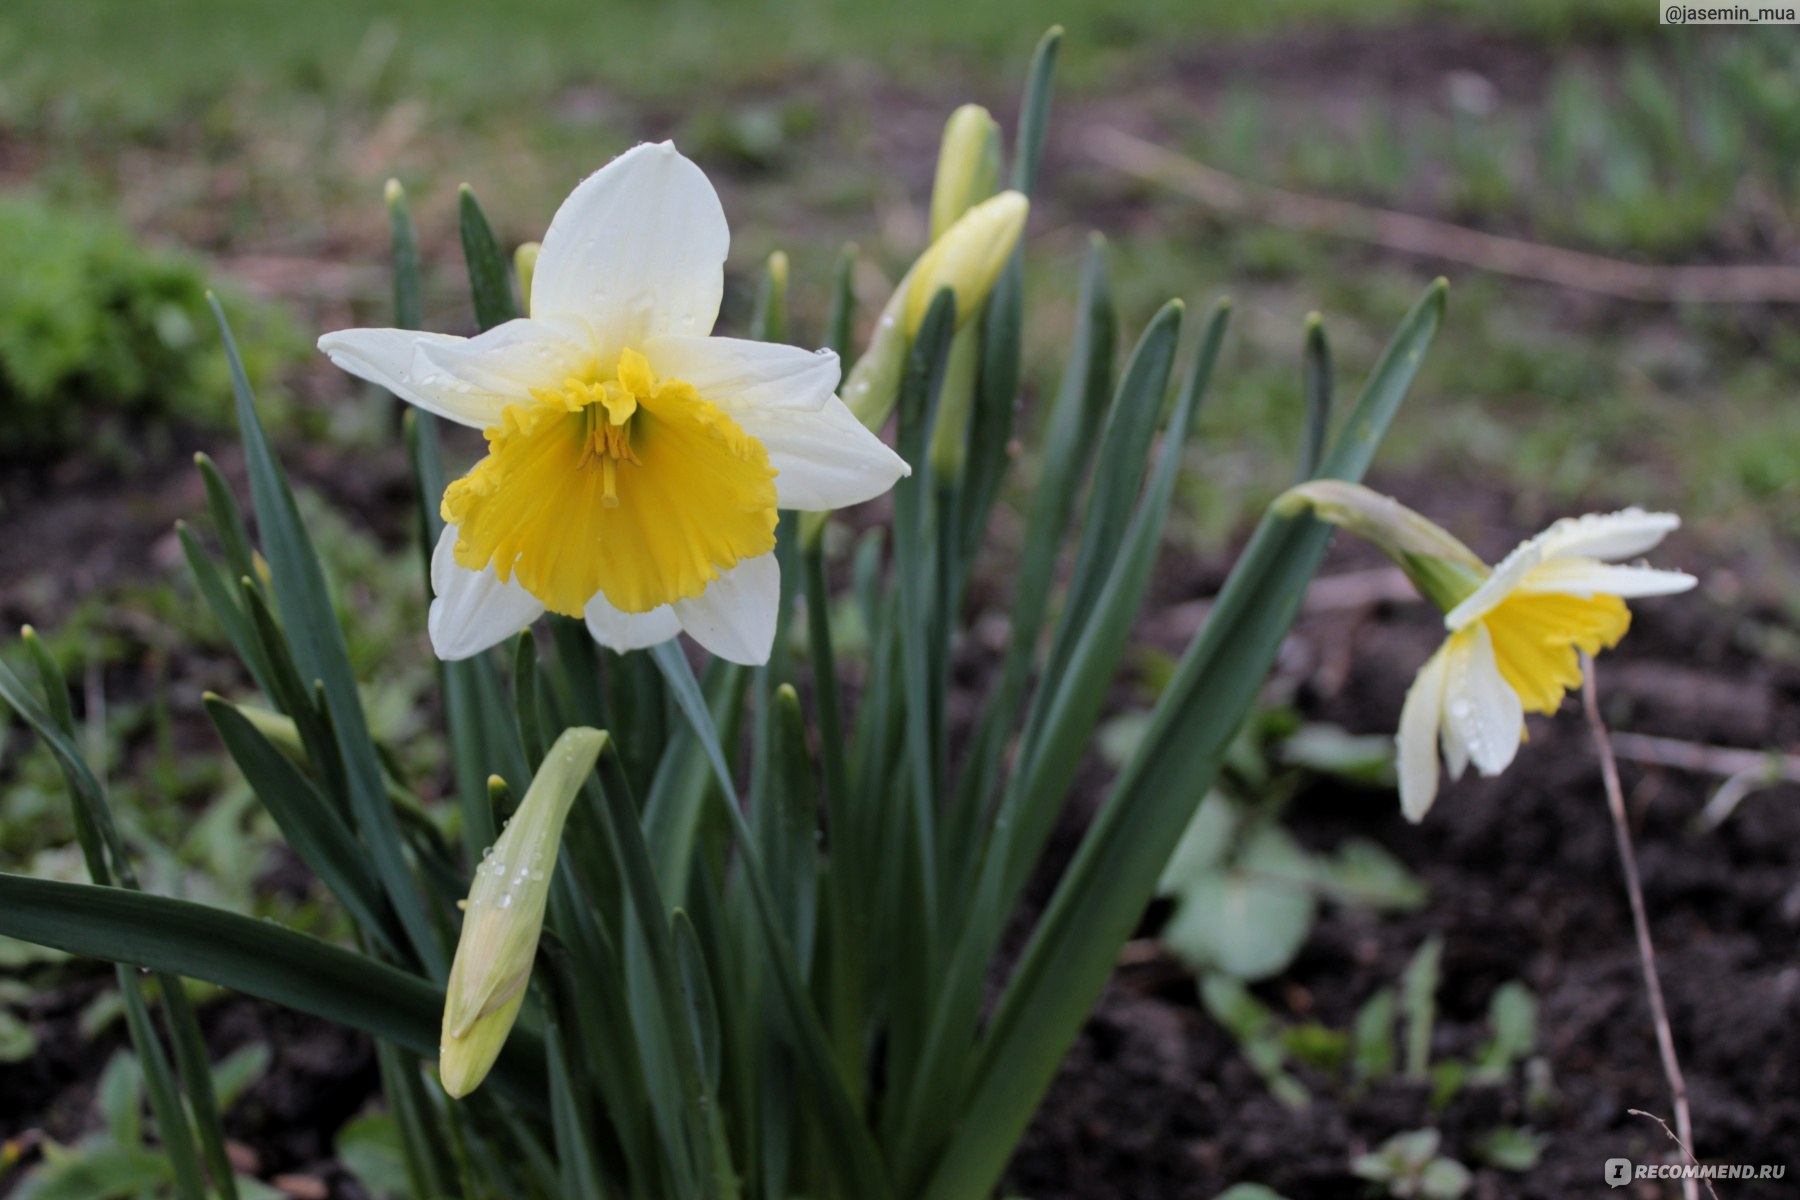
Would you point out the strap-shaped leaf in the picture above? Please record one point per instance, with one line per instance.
(848, 1145)
(228, 519)
(306, 820)
(94, 824)
(312, 631)
(1123, 458)
(1316, 383)
(490, 276)
(1070, 955)
(1068, 445)
(1034, 119)
(409, 307)
(1028, 811)
(256, 957)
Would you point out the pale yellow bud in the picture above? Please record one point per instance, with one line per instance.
(968, 258)
(524, 266)
(873, 384)
(504, 916)
(968, 167)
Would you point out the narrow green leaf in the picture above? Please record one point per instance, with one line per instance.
(569, 1124)
(697, 991)
(1123, 459)
(853, 1154)
(490, 276)
(197, 1081)
(99, 836)
(996, 397)
(409, 308)
(687, 773)
(306, 819)
(653, 983)
(920, 632)
(256, 957)
(1074, 421)
(220, 596)
(1103, 893)
(1317, 386)
(840, 321)
(227, 518)
(165, 1098)
(294, 698)
(1028, 811)
(51, 680)
(1034, 111)
(526, 699)
(312, 631)
(405, 1094)
(790, 848)
(768, 323)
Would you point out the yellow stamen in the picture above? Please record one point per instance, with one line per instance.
(631, 487)
(1536, 637)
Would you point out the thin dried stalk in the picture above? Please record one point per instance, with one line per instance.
(1659, 1012)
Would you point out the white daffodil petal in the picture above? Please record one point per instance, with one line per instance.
(638, 249)
(1487, 713)
(624, 631)
(1496, 587)
(1589, 577)
(473, 610)
(1415, 745)
(509, 361)
(736, 374)
(824, 459)
(1624, 534)
(386, 356)
(1456, 754)
(734, 617)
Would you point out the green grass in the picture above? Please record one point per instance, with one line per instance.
(138, 61)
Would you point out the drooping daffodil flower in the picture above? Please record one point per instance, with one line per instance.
(634, 462)
(1514, 634)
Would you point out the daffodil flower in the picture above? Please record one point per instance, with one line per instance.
(1515, 634)
(635, 463)
(1513, 643)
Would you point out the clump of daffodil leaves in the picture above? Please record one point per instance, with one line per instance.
(723, 917)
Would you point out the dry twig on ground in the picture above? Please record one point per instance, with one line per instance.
(1749, 284)
(1659, 1012)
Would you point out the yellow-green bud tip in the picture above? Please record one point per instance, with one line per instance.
(968, 258)
(393, 194)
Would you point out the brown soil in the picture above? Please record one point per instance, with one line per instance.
(1157, 1102)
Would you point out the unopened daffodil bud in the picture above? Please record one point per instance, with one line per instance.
(504, 916)
(968, 172)
(524, 265)
(1443, 569)
(968, 258)
(873, 385)
(968, 169)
